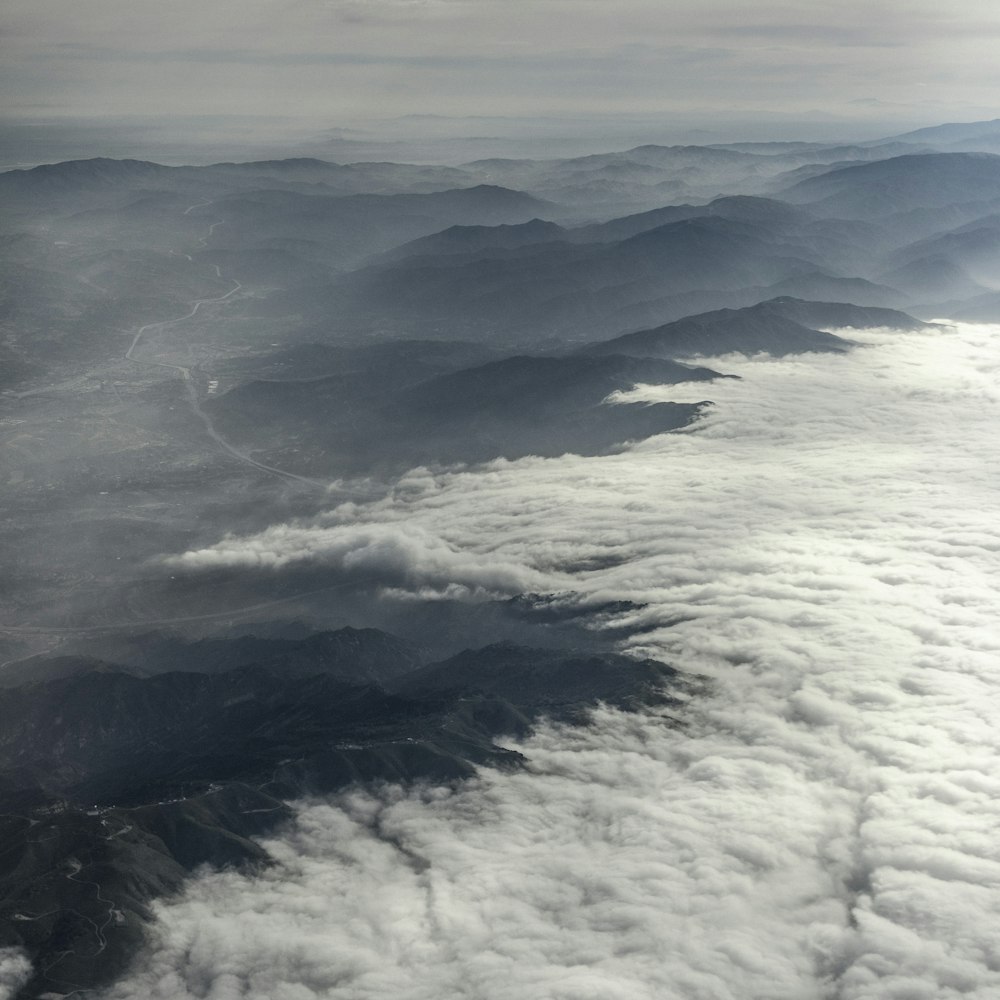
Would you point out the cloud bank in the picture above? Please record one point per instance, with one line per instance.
(824, 543)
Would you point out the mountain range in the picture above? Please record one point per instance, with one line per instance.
(196, 353)
(116, 785)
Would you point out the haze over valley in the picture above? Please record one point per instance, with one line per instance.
(496, 555)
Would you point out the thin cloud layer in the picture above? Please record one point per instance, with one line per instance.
(377, 58)
(825, 544)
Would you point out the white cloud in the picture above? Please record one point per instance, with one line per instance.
(400, 556)
(825, 544)
(15, 969)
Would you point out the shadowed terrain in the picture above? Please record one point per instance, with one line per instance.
(118, 785)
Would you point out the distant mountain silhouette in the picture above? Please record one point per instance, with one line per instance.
(974, 249)
(778, 327)
(561, 289)
(821, 287)
(354, 226)
(473, 239)
(517, 406)
(555, 682)
(901, 184)
(839, 315)
(351, 656)
(135, 782)
(983, 136)
(78, 177)
(649, 176)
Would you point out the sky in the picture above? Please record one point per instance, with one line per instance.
(335, 61)
(823, 546)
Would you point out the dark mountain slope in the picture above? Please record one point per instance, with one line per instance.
(515, 385)
(839, 315)
(760, 328)
(933, 279)
(984, 136)
(650, 175)
(124, 785)
(107, 179)
(778, 326)
(353, 227)
(974, 247)
(983, 308)
(384, 367)
(616, 230)
(558, 289)
(821, 287)
(351, 656)
(766, 213)
(514, 407)
(76, 176)
(557, 683)
(948, 266)
(901, 184)
(475, 239)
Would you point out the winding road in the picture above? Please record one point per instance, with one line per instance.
(192, 389)
(212, 431)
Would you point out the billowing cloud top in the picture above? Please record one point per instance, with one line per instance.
(825, 544)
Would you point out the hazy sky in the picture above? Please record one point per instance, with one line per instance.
(336, 60)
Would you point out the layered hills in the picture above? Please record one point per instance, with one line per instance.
(193, 351)
(516, 406)
(364, 422)
(565, 289)
(776, 327)
(119, 785)
(581, 283)
(901, 184)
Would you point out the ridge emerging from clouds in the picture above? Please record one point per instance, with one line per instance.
(824, 543)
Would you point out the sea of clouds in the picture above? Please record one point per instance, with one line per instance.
(825, 543)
